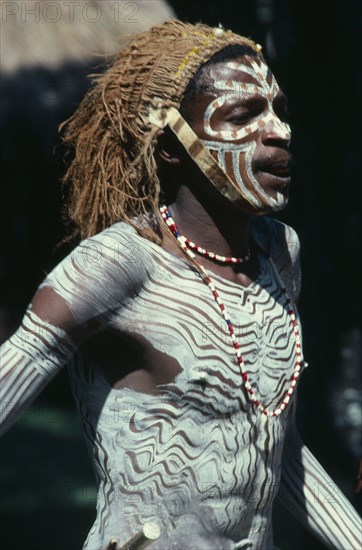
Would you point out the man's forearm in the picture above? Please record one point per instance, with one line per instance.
(311, 495)
(28, 361)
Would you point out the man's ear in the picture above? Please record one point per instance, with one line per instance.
(169, 149)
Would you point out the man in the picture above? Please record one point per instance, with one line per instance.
(191, 340)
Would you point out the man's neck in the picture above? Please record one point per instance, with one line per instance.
(219, 228)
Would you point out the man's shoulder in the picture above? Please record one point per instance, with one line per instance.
(101, 273)
(119, 244)
(275, 236)
(115, 254)
(281, 243)
(120, 241)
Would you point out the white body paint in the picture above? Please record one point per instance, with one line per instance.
(194, 457)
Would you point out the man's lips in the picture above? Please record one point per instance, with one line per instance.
(279, 168)
(279, 171)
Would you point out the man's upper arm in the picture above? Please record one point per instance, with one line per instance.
(75, 300)
(99, 276)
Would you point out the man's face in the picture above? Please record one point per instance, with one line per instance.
(242, 122)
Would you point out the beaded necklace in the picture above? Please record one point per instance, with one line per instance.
(251, 393)
(212, 255)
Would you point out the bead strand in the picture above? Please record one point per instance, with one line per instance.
(252, 395)
(206, 253)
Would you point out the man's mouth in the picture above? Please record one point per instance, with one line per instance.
(277, 171)
(281, 170)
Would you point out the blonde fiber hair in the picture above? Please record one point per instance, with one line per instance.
(113, 174)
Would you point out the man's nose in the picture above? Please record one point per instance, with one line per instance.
(275, 129)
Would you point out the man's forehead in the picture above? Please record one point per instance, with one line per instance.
(244, 76)
(242, 69)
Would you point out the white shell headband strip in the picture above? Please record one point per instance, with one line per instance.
(162, 117)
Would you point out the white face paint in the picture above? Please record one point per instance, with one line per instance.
(226, 142)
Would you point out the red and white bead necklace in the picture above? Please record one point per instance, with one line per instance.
(213, 256)
(254, 398)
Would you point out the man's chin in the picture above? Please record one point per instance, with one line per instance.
(276, 204)
(280, 203)
(274, 199)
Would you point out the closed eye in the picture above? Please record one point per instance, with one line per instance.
(239, 119)
(246, 110)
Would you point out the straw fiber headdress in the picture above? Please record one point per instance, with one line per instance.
(113, 175)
